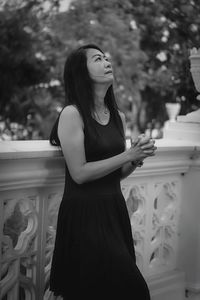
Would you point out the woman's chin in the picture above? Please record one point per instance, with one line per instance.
(109, 78)
(106, 81)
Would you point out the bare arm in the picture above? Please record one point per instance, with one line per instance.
(71, 135)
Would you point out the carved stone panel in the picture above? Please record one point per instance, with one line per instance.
(154, 208)
(19, 245)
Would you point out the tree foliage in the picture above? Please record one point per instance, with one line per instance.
(148, 41)
(27, 61)
(168, 30)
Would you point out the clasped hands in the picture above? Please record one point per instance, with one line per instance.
(142, 147)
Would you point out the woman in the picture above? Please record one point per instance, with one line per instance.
(94, 253)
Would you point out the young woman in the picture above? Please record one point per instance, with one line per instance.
(94, 254)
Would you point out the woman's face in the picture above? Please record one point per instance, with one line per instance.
(99, 67)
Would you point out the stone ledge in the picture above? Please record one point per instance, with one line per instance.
(28, 149)
(42, 148)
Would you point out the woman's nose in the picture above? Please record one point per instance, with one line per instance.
(107, 64)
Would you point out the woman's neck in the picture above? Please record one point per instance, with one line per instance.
(99, 104)
(99, 99)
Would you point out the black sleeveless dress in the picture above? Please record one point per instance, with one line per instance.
(94, 254)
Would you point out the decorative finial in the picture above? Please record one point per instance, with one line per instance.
(194, 51)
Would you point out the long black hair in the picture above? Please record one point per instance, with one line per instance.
(79, 91)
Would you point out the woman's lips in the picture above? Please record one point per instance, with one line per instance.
(108, 72)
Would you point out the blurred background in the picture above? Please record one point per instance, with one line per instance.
(148, 41)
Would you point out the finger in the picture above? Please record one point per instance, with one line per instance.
(147, 146)
(149, 154)
(134, 142)
(152, 149)
(144, 141)
(148, 151)
(152, 154)
(152, 140)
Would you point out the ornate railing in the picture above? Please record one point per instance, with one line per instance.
(31, 187)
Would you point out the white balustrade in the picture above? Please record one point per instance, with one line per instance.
(31, 187)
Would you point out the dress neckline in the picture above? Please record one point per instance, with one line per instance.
(104, 124)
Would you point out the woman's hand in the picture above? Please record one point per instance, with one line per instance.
(146, 143)
(141, 148)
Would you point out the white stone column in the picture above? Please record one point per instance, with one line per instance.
(187, 128)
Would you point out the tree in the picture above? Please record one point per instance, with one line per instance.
(148, 41)
(168, 29)
(27, 60)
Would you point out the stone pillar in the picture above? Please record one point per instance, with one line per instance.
(187, 128)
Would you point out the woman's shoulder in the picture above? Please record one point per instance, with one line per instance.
(70, 113)
(70, 110)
